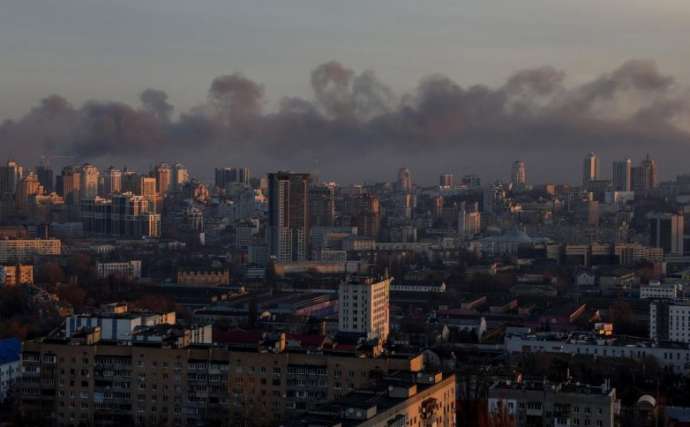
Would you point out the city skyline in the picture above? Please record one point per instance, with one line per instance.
(537, 115)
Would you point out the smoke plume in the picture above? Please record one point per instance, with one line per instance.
(355, 127)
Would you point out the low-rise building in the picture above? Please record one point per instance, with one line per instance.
(540, 403)
(20, 250)
(20, 274)
(129, 269)
(403, 399)
(194, 277)
(116, 322)
(658, 290)
(673, 356)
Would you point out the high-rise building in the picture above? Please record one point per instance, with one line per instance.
(644, 176)
(363, 307)
(666, 231)
(130, 182)
(10, 175)
(366, 215)
(88, 184)
(469, 220)
(46, 178)
(621, 175)
(125, 215)
(288, 216)
(668, 321)
(29, 186)
(649, 167)
(147, 186)
(180, 176)
(446, 180)
(164, 178)
(590, 170)
(112, 181)
(322, 205)
(69, 184)
(226, 176)
(405, 180)
(518, 174)
(472, 181)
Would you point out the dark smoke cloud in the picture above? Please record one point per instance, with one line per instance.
(356, 126)
(156, 102)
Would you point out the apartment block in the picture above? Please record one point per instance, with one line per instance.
(20, 250)
(526, 403)
(173, 382)
(20, 274)
(363, 305)
(129, 269)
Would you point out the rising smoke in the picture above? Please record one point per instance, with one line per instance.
(356, 127)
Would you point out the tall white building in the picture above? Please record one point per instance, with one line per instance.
(112, 181)
(518, 174)
(180, 176)
(88, 185)
(469, 220)
(590, 170)
(405, 180)
(669, 321)
(621, 175)
(364, 307)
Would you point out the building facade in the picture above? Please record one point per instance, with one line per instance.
(288, 216)
(363, 307)
(99, 383)
(19, 250)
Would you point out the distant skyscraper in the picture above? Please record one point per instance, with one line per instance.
(644, 175)
(405, 180)
(147, 186)
(366, 215)
(46, 178)
(649, 169)
(446, 180)
(590, 170)
(666, 231)
(10, 175)
(164, 179)
(69, 185)
(88, 185)
(112, 181)
(469, 220)
(322, 201)
(226, 176)
(621, 175)
(518, 174)
(471, 181)
(288, 216)
(130, 182)
(180, 176)
(28, 187)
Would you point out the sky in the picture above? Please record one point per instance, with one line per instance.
(112, 50)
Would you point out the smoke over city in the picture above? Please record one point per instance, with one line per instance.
(355, 127)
